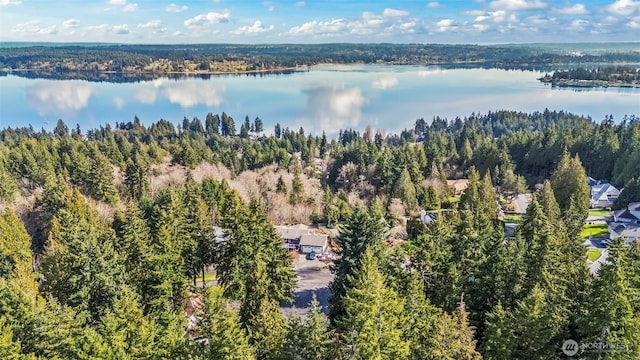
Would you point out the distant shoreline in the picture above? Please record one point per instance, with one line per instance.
(579, 83)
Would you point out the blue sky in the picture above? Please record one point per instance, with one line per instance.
(321, 21)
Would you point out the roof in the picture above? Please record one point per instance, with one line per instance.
(603, 192)
(631, 212)
(592, 182)
(291, 233)
(314, 240)
(459, 184)
(628, 231)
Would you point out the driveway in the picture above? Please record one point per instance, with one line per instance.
(314, 277)
(522, 202)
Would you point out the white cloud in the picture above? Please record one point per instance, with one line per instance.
(499, 16)
(173, 8)
(577, 9)
(98, 28)
(10, 2)
(33, 27)
(435, 5)
(118, 102)
(206, 20)
(60, 98)
(154, 25)
(256, 28)
(475, 13)
(121, 29)
(300, 4)
(624, 7)
(126, 7)
(516, 5)
(445, 25)
(394, 12)
(130, 7)
(480, 27)
(579, 25)
(332, 108)
(319, 27)
(70, 23)
(146, 95)
(634, 23)
(388, 23)
(385, 82)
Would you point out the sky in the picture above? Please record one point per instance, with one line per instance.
(321, 21)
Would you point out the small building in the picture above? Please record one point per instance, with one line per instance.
(630, 232)
(603, 195)
(301, 238)
(425, 218)
(458, 186)
(316, 243)
(628, 215)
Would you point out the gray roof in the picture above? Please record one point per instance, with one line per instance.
(291, 233)
(314, 240)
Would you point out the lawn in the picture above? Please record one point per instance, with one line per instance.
(596, 230)
(207, 277)
(599, 212)
(512, 218)
(594, 254)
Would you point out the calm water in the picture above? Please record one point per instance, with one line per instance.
(323, 98)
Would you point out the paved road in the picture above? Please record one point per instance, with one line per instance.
(522, 202)
(597, 243)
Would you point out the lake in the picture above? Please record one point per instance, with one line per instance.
(327, 97)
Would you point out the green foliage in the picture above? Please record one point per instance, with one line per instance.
(310, 339)
(221, 326)
(373, 320)
(630, 193)
(360, 232)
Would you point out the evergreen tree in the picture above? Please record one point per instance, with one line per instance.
(499, 342)
(221, 325)
(126, 331)
(373, 315)
(630, 193)
(359, 233)
(101, 180)
(297, 191)
(405, 190)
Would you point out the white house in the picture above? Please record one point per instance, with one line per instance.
(630, 232)
(603, 195)
(629, 215)
(301, 238)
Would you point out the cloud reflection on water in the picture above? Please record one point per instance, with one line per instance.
(186, 93)
(332, 108)
(59, 97)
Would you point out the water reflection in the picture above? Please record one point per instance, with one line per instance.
(186, 93)
(59, 97)
(385, 82)
(332, 108)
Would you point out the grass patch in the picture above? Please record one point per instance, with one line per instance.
(594, 254)
(595, 230)
(453, 199)
(599, 212)
(512, 218)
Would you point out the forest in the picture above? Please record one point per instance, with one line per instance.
(120, 62)
(107, 236)
(606, 76)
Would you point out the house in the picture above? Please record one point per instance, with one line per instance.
(426, 218)
(458, 186)
(630, 232)
(603, 195)
(629, 215)
(301, 238)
